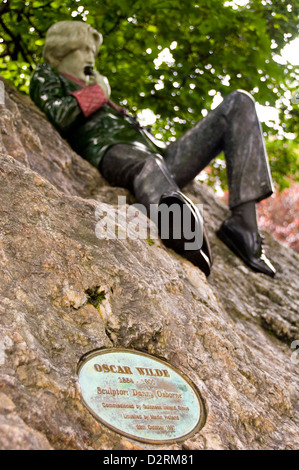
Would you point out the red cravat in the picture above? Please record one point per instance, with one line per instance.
(90, 99)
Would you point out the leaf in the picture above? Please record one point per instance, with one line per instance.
(152, 29)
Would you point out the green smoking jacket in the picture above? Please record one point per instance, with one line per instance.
(89, 136)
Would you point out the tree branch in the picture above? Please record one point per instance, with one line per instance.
(4, 7)
(27, 15)
(42, 6)
(17, 42)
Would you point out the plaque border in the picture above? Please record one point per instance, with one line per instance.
(203, 409)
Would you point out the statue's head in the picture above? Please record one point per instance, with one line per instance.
(71, 46)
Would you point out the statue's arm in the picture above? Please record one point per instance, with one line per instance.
(47, 91)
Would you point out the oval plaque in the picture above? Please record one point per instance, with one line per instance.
(140, 396)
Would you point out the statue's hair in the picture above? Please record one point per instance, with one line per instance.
(65, 37)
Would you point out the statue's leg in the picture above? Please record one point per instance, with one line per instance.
(138, 170)
(147, 176)
(233, 127)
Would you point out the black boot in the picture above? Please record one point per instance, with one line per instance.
(246, 244)
(147, 176)
(187, 233)
(184, 232)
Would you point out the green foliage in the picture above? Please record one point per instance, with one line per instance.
(96, 296)
(284, 159)
(215, 47)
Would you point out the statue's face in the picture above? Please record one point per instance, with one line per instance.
(75, 62)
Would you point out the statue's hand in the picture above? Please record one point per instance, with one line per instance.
(96, 77)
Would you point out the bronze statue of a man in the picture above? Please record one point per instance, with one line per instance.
(76, 99)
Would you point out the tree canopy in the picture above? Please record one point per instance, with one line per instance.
(174, 57)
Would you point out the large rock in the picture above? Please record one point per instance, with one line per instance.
(231, 334)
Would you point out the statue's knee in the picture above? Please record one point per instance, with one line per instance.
(243, 92)
(242, 99)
